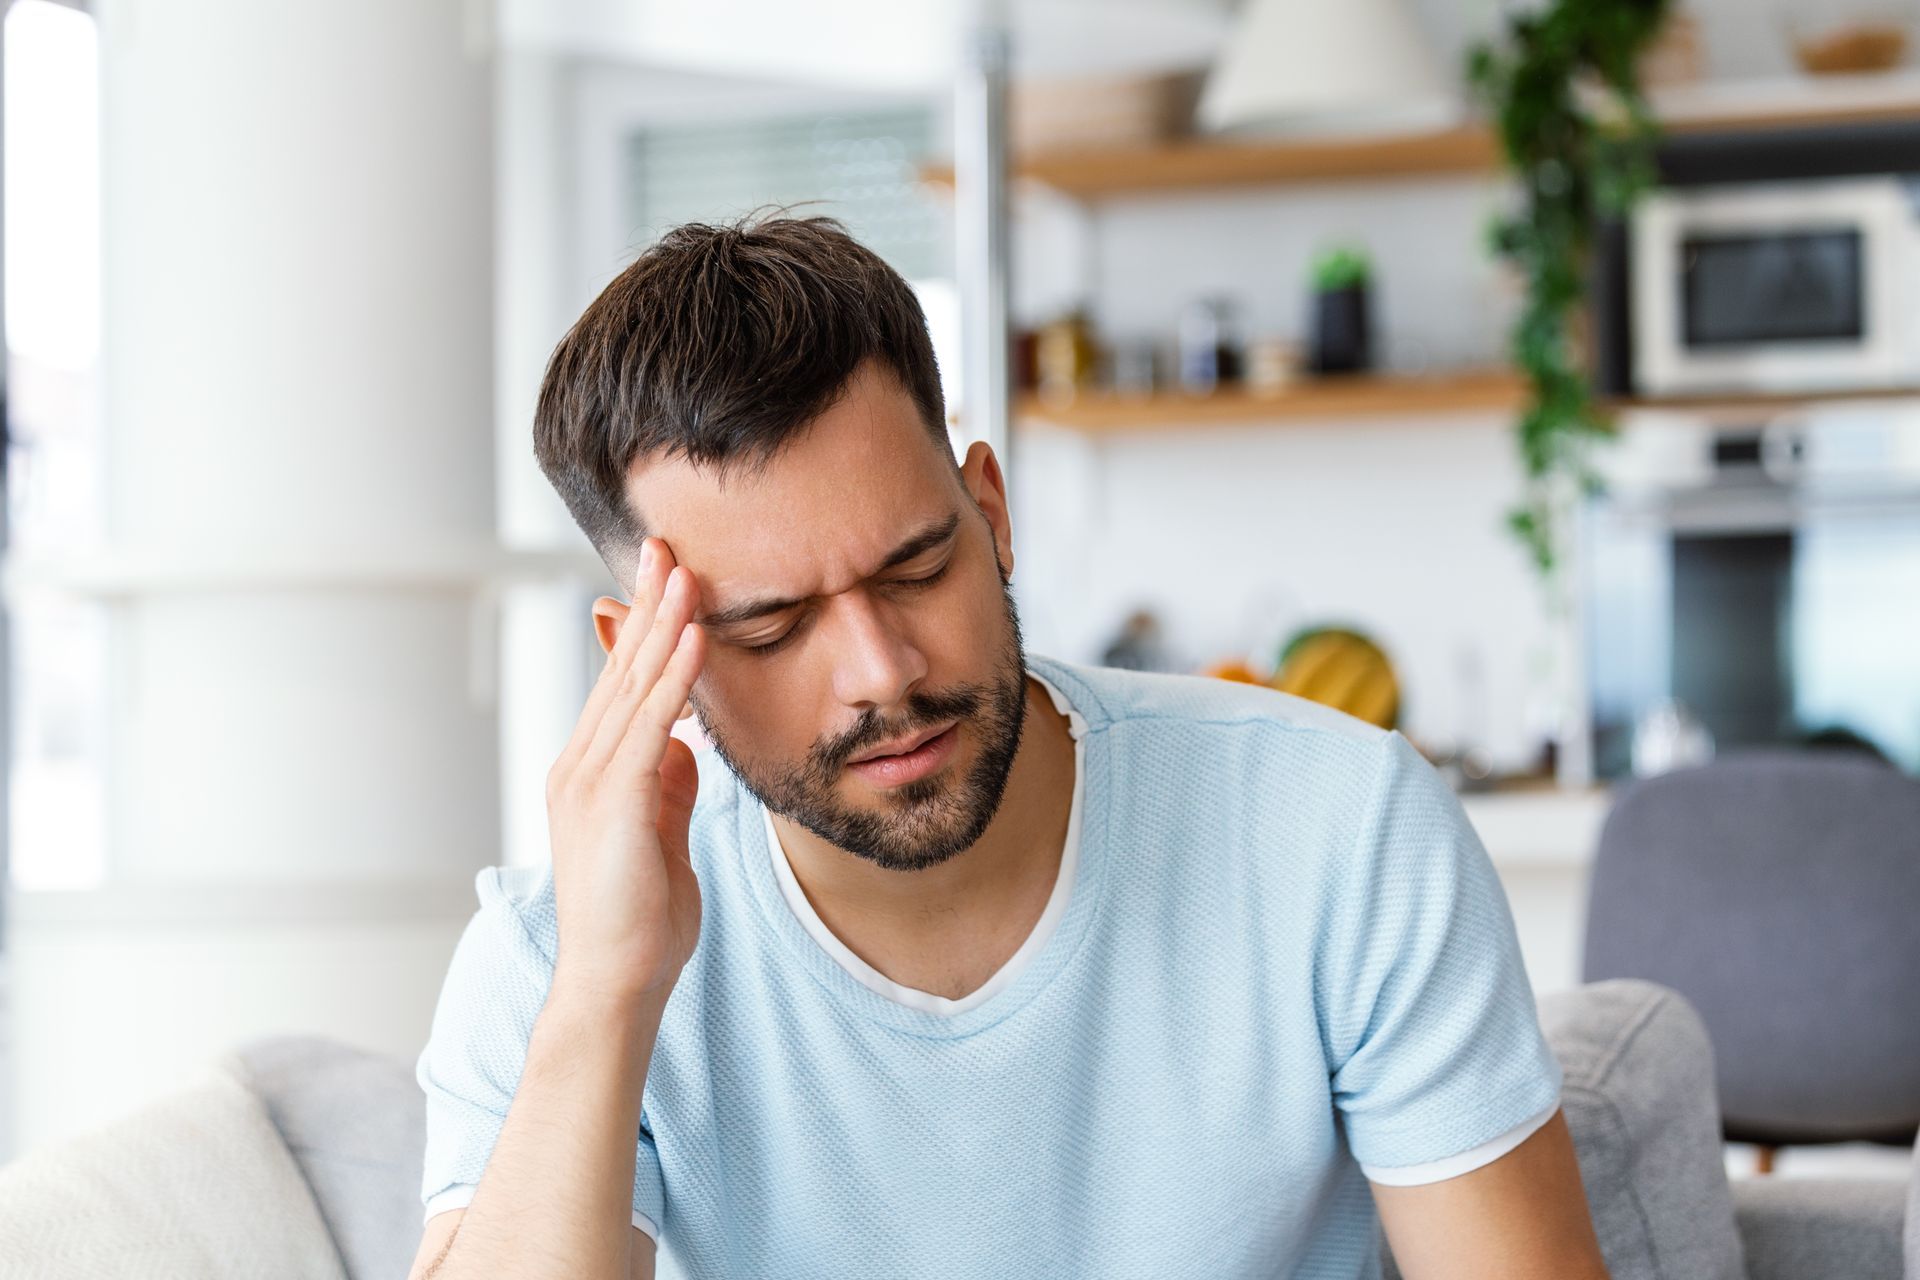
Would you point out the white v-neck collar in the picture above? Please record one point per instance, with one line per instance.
(1036, 941)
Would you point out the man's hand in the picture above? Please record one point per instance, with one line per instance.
(620, 798)
(555, 1198)
(1521, 1217)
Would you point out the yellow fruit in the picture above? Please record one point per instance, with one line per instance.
(1378, 702)
(1343, 669)
(1234, 670)
(1310, 664)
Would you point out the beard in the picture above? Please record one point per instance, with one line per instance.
(930, 819)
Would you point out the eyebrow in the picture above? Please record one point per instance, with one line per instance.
(918, 544)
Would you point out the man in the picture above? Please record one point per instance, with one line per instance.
(946, 959)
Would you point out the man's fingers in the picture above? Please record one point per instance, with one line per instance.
(643, 671)
(645, 745)
(648, 585)
(652, 582)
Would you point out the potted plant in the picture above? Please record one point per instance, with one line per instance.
(1562, 81)
(1547, 78)
(1340, 332)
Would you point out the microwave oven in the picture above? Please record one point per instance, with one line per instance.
(1808, 285)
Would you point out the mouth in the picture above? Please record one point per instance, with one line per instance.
(904, 746)
(928, 756)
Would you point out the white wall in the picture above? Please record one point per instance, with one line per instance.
(1236, 535)
(1439, 297)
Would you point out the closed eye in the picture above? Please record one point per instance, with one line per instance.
(925, 579)
(781, 641)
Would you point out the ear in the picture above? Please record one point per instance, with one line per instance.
(609, 615)
(980, 474)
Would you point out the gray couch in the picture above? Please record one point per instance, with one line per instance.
(301, 1157)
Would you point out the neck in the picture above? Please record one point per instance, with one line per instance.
(1020, 846)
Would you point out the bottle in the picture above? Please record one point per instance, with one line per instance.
(1067, 357)
(1209, 347)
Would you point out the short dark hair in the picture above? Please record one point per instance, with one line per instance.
(719, 344)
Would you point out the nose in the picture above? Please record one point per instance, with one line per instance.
(876, 660)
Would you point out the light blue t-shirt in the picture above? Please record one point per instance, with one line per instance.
(1277, 961)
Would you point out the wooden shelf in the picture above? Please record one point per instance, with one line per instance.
(1404, 396)
(1203, 163)
(1350, 396)
(1759, 401)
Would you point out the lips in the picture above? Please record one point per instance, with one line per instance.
(904, 745)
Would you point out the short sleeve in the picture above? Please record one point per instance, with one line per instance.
(1433, 1040)
(494, 990)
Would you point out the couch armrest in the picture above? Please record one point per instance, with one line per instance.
(1821, 1228)
(355, 1121)
(1913, 1217)
(1640, 1102)
(1641, 1105)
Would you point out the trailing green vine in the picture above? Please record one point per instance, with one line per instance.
(1573, 169)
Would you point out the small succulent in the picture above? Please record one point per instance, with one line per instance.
(1340, 267)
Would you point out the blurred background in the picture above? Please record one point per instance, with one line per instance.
(294, 627)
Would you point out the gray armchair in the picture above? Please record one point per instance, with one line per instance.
(301, 1157)
(1778, 890)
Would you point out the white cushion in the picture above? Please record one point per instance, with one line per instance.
(194, 1186)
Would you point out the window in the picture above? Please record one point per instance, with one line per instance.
(860, 167)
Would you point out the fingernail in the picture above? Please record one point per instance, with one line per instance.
(646, 556)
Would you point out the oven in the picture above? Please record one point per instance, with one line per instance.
(1755, 578)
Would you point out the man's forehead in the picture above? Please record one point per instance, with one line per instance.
(822, 512)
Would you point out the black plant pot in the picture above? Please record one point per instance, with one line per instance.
(1341, 334)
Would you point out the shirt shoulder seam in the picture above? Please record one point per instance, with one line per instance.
(506, 900)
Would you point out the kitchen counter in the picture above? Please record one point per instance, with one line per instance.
(1543, 828)
(1541, 841)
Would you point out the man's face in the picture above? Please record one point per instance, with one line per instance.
(855, 597)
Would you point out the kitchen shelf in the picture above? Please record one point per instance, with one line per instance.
(1760, 401)
(1374, 395)
(1200, 163)
(1196, 164)
(1344, 396)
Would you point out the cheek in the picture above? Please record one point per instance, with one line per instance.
(761, 707)
(979, 612)
(961, 633)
